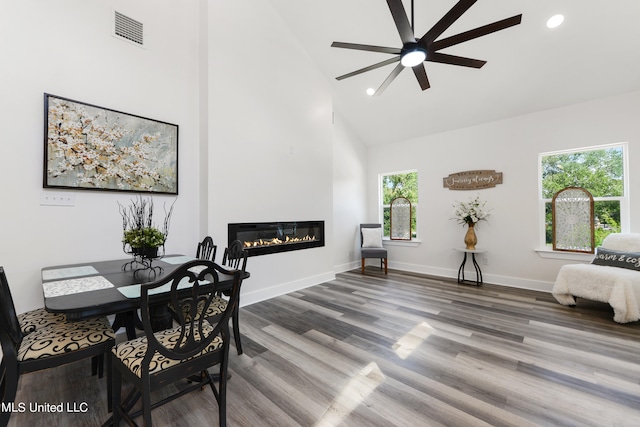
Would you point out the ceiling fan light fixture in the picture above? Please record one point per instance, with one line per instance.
(413, 56)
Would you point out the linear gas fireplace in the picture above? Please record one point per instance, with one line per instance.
(261, 238)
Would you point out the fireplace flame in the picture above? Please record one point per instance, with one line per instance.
(277, 241)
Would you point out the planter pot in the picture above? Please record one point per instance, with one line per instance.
(146, 252)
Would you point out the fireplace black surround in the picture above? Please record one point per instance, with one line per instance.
(261, 238)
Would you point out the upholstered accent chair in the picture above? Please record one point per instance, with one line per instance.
(186, 351)
(613, 276)
(371, 244)
(51, 341)
(206, 249)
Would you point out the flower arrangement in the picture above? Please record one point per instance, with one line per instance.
(144, 237)
(471, 212)
(138, 228)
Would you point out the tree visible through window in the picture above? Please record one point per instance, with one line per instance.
(600, 171)
(399, 184)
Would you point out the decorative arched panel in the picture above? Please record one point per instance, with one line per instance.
(400, 219)
(573, 224)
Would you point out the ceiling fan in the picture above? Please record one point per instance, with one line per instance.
(415, 51)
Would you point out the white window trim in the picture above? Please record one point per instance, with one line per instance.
(381, 207)
(625, 215)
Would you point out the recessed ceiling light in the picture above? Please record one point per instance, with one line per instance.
(555, 21)
(371, 91)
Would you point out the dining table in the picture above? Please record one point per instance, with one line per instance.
(112, 287)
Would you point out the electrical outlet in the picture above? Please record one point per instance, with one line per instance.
(51, 198)
(485, 260)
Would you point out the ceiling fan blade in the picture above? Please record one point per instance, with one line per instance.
(367, 47)
(445, 22)
(443, 58)
(369, 68)
(389, 79)
(477, 32)
(421, 75)
(402, 21)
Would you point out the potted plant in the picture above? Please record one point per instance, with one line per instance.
(140, 236)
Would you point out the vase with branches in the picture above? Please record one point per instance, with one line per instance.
(140, 235)
(470, 213)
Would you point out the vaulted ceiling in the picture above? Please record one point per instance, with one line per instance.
(595, 53)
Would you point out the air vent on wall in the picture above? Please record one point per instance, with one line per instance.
(128, 29)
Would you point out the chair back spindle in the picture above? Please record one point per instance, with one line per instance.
(235, 256)
(10, 324)
(207, 249)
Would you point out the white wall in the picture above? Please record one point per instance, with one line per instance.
(510, 146)
(349, 195)
(265, 127)
(270, 141)
(65, 47)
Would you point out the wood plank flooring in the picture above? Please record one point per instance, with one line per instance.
(399, 350)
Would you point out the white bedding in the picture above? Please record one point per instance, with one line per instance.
(620, 287)
(617, 286)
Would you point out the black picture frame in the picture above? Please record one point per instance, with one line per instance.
(87, 147)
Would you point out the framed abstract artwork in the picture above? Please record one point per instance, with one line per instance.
(96, 148)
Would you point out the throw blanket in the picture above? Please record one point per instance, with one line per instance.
(619, 287)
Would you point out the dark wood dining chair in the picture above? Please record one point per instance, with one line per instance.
(56, 344)
(207, 249)
(39, 318)
(235, 257)
(185, 351)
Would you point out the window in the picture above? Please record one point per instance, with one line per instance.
(601, 171)
(398, 184)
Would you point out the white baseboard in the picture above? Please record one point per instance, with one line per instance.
(346, 267)
(296, 285)
(513, 282)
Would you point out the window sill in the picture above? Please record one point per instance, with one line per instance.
(573, 256)
(410, 243)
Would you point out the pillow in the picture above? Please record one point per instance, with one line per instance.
(630, 260)
(372, 237)
(624, 242)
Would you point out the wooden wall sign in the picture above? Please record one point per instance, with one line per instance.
(472, 180)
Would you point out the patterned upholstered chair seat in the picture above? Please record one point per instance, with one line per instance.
(217, 307)
(132, 353)
(56, 344)
(38, 318)
(64, 337)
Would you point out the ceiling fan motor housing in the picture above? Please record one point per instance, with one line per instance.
(412, 54)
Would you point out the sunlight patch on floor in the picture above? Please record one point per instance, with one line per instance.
(405, 345)
(352, 395)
